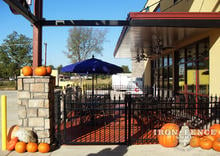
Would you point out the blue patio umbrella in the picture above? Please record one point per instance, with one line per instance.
(92, 66)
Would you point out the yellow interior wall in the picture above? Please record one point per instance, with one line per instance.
(214, 63)
(190, 6)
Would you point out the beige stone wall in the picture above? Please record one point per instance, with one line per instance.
(138, 68)
(35, 105)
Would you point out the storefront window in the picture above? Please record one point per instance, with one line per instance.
(181, 64)
(193, 66)
(203, 68)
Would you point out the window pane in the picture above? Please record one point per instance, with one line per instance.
(170, 60)
(191, 68)
(203, 68)
(191, 53)
(170, 77)
(165, 61)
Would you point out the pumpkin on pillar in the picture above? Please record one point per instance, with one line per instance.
(40, 71)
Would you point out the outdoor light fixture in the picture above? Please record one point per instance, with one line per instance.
(157, 44)
(141, 55)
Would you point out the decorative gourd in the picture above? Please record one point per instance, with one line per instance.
(205, 143)
(12, 131)
(184, 135)
(40, 71)
(49, 70)
(169, 135)
(216, 145)
(26, 135)
(32, 147)
(43, 147)
(216, 129)
(20, 147)
(11, 144)
(27, 71)
(194, 141)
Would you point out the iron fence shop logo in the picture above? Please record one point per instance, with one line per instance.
(185, 134)
(197, 132)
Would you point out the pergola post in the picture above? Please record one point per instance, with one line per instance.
(37, 34)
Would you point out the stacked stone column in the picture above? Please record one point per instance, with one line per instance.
(35, 105)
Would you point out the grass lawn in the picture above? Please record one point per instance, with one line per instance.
(7, 85)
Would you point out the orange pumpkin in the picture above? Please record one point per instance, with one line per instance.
(12, 131)
(216, 145)
(49, 70)
(11, 144)
(20, 147)
(40, 71)
(216, 129)
(168, 135)
(43, 147)
(194, 141)
(32, 147)
(210, 137)
(205, 143)
(27, 71)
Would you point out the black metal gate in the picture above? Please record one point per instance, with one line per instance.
(133, 119)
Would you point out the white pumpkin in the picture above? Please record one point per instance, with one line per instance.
(26, 135)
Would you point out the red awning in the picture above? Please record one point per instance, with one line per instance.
(168, 27)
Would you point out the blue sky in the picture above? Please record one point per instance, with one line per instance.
(56, 37)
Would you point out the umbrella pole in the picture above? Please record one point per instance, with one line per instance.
(92, 86)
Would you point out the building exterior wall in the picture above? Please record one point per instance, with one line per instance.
(214, 63)
(151, 5)
(190, 6)
(214, 37)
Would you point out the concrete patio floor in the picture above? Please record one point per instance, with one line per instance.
(119, 150)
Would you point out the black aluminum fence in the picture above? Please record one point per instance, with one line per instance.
(135, 119)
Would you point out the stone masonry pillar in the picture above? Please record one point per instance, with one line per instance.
(35, 105)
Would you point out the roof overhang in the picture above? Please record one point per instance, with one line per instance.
(170, 27)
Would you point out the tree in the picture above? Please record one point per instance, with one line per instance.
(15, 52)
(83, 42)
(125, 69)
(59, 68)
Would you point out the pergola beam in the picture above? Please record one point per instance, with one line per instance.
(85, 23)
(23, 11)
(199, 23)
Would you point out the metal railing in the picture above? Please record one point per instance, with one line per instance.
(132, 119)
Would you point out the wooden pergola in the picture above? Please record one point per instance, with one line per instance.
(154, 19)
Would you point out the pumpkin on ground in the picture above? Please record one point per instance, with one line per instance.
(32, 147)
(43, 147)
(216, 145)
(27, 71)
(210, 137)
(40, 71)
(49, 70)
(205, 143)
(194, 141)
(12, 132)
(216, 129)
(20, 147)
(11, 144)
(168, 135)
